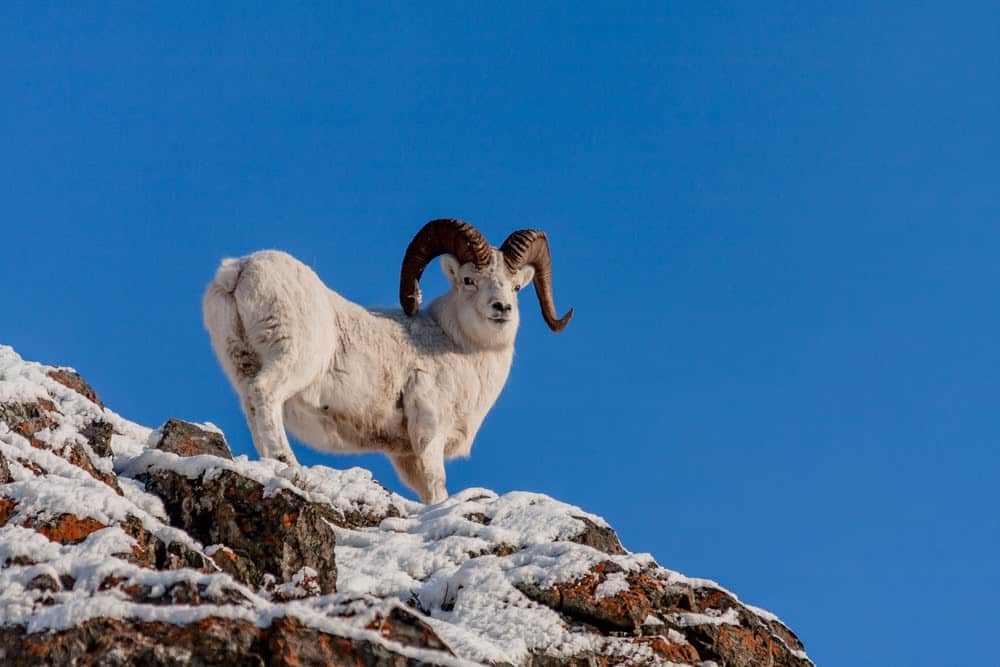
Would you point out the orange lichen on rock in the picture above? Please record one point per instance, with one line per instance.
(76, 455)
(30, 465)
(624, 609)
(715, 599)
(6, 510)
(27, 419)
(224, 552)
(71, 379)
(186, 446)
(288, 648)
(69, 529)
(760, 649)
(671, 651)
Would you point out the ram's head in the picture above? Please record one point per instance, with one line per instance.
(486, 278)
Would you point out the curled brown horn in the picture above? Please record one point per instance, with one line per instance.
(436, 238)
(531, 246)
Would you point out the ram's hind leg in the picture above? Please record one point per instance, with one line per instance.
(284, 312)
(265, 397)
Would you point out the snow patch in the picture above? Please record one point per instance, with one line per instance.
(614, 584)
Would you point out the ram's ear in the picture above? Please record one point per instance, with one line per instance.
(524, 276)
(450, 266)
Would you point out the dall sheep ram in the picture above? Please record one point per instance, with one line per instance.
(343, 378)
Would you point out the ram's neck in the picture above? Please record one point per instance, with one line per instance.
(444, 311)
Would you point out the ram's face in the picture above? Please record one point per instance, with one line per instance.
(489, 297)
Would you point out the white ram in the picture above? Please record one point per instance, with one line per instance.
(343, 378)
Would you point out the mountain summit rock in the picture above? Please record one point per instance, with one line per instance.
(124, 545)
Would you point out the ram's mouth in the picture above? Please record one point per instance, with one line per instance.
(499, 320)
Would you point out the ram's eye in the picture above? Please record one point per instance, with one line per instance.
(469, 281)
(517, 288)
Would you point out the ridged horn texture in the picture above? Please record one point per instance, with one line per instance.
(436, 238)
(531, 246)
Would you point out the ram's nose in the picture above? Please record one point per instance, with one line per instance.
(501, 308)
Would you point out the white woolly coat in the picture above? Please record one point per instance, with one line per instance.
(343, 378)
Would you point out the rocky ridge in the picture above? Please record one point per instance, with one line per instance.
(125, 545)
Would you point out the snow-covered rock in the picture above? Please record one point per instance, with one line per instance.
(125, 545)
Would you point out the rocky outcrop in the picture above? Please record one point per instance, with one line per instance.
(184, 439)
(263, 539)
(120, 545)
(210, 641)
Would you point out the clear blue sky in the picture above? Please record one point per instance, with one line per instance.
(779, 228)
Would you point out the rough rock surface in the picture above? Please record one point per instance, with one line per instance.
(211, 641)
(263, 535)
(184, 439)
(4, 471)
(120, 545)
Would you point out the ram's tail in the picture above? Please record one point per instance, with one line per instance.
(225, 327)
(228, 274)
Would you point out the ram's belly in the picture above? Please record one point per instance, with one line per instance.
(333, 430)
(360, 435)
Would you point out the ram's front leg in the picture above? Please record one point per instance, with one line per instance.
(426, 437)
(411, 472)
(431, 459)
